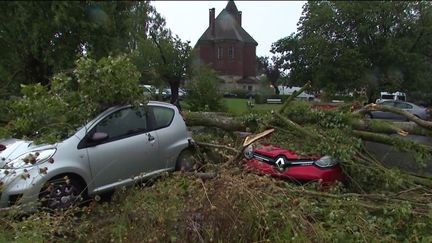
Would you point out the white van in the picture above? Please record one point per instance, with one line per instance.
(391, 96)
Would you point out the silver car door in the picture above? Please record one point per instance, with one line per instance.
(168, 135)
(404, 106)
(125, 152)
(384, 114)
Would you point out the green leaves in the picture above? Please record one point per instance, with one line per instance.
(39, 39)
(354, 45)
(110, 81)
(202, 91)
(49, 114)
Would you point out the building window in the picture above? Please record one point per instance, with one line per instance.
(219, 52)
(231, 52)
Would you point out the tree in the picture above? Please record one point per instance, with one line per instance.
(49, 114)
(202, 91)
(174, 61)
(38, 39)
(353, 45)
(271, 70)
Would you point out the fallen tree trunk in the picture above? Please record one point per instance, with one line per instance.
(388, 127)
(374, 131)
(422, 123)
(385, 139)
(211, 119)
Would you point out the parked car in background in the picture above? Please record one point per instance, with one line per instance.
(149, 90)
(287, 90)
(166, 93)
(286, 164)
(228, 94)
(119, 147)
(418, 111)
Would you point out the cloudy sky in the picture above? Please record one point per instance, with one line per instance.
(265, 21)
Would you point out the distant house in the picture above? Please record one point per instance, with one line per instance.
(229, 49)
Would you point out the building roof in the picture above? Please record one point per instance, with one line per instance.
(227, 27)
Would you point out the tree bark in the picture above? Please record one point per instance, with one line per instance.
(387, 127)
(211, 119)
(409, 116)
(174, 99)
(385, 139)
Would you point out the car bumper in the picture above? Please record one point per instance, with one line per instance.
(19, 187)
(300, 173)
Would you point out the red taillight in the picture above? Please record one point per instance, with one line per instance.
(2, 147)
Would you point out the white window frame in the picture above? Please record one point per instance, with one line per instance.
(219, 52)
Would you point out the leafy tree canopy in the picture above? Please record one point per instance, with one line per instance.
(270, 68)
(345, 45)
(47, 114)
(41, 38)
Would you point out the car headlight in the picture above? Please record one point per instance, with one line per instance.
(325, 162)
(30, 158)
(248, 152)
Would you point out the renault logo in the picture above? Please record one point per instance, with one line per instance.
(280, 163)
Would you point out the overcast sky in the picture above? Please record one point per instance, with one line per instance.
(265, 21)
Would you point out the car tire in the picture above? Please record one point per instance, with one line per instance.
(62, 193)
(185, 161)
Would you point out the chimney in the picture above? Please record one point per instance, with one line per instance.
(239, 17)
(212, 21)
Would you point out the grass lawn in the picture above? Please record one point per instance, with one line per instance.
(239, 106)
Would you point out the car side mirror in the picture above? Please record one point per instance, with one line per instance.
(98, 136)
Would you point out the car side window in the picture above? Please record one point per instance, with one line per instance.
(123, 123)
(163, 116)
(403, 106)
(387, 103)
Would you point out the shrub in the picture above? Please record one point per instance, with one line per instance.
(203, 94)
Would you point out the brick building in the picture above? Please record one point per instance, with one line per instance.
(229, 49)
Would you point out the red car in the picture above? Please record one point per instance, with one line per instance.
(286, 164)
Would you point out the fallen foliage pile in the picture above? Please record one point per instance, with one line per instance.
(232, 207)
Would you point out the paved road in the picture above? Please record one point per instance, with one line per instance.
(392, 157)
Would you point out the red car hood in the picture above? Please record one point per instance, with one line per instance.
(296, 167)
(274, 151)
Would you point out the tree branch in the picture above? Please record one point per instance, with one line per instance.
(217, 146)
(409, 116)
(293, 96)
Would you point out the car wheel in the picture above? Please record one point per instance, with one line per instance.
(62, 193)
(185, 161)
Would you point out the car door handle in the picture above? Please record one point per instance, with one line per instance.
(150, 137)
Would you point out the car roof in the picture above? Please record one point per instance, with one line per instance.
(160, 103)
(406, 102)
(112, 108)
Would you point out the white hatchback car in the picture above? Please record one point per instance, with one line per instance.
(119, 147)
